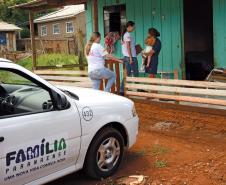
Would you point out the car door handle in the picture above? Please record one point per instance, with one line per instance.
(2, 139)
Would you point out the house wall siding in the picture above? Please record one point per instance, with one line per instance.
(78, 22)
(219, 25)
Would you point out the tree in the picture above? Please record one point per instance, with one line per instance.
(15, 16)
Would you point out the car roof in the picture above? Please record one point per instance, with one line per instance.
(5, 60)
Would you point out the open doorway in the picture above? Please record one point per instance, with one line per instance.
(198, 38)
(114, 18)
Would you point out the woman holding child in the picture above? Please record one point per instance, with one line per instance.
(151, 52)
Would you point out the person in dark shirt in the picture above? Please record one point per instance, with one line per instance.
(152, 68)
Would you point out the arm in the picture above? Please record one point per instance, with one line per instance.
(112, 57)
(128, 45)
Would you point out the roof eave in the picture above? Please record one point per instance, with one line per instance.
(57, 18)
(39, 5)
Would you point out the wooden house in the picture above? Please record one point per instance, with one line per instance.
(8, 36)
(192, 31)
(63, 23)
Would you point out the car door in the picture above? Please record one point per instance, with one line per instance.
(35, 139)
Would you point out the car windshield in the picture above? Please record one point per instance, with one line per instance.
(7, 77)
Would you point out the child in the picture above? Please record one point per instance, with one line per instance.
(149, 42)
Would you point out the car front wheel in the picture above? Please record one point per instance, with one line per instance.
(105, 154)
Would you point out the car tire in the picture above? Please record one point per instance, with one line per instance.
(105, 154)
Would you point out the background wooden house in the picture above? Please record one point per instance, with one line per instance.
(59, 31)
(8, 36)
(63, 23)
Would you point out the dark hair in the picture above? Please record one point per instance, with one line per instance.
(128, 24)
(94, 36)
(154, 32)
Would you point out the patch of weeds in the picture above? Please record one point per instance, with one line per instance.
(159, 150)
(108, 181)
(160, 164)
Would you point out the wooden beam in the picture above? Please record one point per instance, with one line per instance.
(95, 15)
(190, 108)
(183, 83)
(59, 72)
(32, 34)
(181, 90)
(210, 101)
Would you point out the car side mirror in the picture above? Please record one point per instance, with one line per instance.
(60, 101)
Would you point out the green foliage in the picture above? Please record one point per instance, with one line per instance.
(14, 16)
(159, 150)
(50, 60)
(160, 164)
(17, 16)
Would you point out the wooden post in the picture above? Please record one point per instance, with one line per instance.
(176, 75)
(124, 78)
(117, 71)
(95, 15)
(32, 35)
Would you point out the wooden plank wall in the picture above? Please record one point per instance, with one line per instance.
(219, 26)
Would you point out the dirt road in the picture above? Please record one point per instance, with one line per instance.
(173, 148)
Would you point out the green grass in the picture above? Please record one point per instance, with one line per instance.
(50, 60)
(159, 150)
(160, 164)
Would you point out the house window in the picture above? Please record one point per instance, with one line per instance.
(43, 30)
(69, 27)
(56, 28)
(114, 18)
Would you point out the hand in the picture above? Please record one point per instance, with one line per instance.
(131, 61)
(147, 66)
(120, 61)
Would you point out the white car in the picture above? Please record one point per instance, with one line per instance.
(47, 132)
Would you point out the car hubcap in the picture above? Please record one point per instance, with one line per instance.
(108, 154)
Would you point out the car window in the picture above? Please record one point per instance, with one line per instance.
(9, 77)
(19, 95)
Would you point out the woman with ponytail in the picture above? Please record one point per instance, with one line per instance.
(96, 56)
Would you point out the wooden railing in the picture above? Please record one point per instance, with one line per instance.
(79, 78)
(213, 93)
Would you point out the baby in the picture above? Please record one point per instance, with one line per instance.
(149, 42)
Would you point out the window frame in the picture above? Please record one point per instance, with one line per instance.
(39, 84)
(71, 22)
(44, 26)
(56, 24)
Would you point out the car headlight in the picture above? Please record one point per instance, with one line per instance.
(134, 112)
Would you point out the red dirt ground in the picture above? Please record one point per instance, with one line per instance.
(173, 148)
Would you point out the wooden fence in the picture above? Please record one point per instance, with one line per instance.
(79, 78)
(68, 46)
(213, 93)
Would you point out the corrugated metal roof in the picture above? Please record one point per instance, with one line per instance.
(40, 5)
(66, 12)
(4, 26)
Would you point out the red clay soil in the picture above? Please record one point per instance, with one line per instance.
(175, 148)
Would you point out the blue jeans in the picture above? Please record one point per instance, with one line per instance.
(131, 69)
(100, 74)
